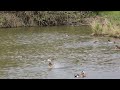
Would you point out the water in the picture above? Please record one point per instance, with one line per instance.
(24, 51)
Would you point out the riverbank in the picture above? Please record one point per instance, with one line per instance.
(107, 23)
(10, 19)
(102, 23)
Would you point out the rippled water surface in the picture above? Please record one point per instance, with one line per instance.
(24, 51)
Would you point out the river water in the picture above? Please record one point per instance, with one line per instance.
(24, 51)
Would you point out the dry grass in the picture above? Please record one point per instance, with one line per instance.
(42, 18)
(9, 20)
(105, 27)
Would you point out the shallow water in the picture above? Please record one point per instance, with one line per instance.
(24, 51)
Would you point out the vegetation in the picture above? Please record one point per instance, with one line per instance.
(42, 18)
(105, 23)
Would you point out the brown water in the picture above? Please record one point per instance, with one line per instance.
(24, 50)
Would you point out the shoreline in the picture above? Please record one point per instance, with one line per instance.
(9, 19)
(103, 23)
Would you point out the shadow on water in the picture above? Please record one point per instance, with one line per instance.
(24, 53)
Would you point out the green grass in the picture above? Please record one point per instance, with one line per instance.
(107, 23)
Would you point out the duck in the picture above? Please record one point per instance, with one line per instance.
(95, 41)
(109, 41)
(50, 63)
(67, 35)
(76, 75)
(82, 75)
(117, 47)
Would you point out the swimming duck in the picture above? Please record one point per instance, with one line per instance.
(50, 63)
(82, 75)
(76, 75)
(117, 47)
(66, 35)
(95, 41)
(109, 41)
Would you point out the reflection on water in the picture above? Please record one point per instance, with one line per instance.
(24, 53)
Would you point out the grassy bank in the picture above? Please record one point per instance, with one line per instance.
(42, 18)
(106, 23)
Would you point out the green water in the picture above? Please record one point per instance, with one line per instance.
(24, 50)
